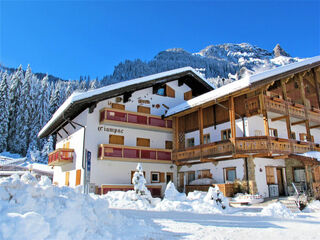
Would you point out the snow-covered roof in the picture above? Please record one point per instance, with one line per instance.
(312, 154)
(77, 102)
(243, 83)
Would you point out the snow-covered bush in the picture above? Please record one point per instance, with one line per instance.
(171, 193)
(216, 197)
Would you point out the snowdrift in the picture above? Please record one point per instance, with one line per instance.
(38, 210)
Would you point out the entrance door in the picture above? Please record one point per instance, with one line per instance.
(280, 181)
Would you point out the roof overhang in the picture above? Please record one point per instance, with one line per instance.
(78, 102)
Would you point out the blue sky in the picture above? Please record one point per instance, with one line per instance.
(73, 38)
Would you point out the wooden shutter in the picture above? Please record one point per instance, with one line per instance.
(118, 106)
(67, 178)
(143, 142)
(169, 145)
(116, 139)
(188, 95)
(316, 174)
(170, 92)
(270, 175)
(78, 177)
(143, 109)
(162, 178)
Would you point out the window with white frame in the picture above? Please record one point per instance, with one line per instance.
(190, 142)
(155, 177)
(299, 175)
(206, 138)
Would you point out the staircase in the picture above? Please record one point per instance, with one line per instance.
(290, 203)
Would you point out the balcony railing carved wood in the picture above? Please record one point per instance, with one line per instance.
(126, 153)
(262, 146)
(60, 157)
(134, 119)
(278, 105)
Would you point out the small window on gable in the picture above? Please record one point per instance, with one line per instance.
(226, 134)
(190, 142)
(118, 106)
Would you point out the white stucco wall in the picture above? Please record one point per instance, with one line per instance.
(260, 173)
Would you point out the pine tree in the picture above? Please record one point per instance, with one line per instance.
(4, 112)
(14, 105)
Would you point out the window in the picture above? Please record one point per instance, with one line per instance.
(205, 174)
(299, 174)
(118, 106)
(303, 137)
(155, 177)
(143, 109)
(190, 142)
(293, 135)
(143, 142)
(169, 145)
(169, 177)
(273, 132)
(191, 176)
(230, 174)
(226, 134)
(270, 175)
(206, 138)
(115, 139)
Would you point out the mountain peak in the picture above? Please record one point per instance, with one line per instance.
(278, 51)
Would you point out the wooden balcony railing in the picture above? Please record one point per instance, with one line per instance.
(136, 119)
(261, 145)
(60, 157)
(278, 105)
(126, 153)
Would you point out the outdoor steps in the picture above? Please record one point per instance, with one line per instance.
(290, 203)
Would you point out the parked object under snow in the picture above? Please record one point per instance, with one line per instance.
(202, 181)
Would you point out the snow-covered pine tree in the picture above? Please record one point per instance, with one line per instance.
(14, 106)
(55, 99)
(4, 111)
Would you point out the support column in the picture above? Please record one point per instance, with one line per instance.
(251, 176)
(285, 97)
(316, 76)
(264, 114)
(306, 107)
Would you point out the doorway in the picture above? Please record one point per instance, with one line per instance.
(280, 182)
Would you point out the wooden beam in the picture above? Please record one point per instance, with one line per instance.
(264, 114)
(316, 84)
(299, 122)
(278, 118)
(306, 107)
(200, 119)
(232, 118)
(287, 117)
(315, 126)
(280, 157)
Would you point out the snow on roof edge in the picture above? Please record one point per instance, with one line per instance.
(77, 96)
(231, 87)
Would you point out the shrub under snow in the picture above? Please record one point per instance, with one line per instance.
(32, 210)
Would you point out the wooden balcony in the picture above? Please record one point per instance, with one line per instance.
(278, 105)
(60, 157)
(135, 154)
(134, 119)
(259, 146)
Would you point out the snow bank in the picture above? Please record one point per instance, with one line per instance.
(38, 210)
(172, 193)
(277, 210)
(313, 206)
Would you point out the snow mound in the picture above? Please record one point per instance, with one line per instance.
(32, 210)
(202, 181)
(313, 206)
(277, 210)
(172, 193)
(196, 195)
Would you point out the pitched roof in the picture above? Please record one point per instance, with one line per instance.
(78, 102)
(249, 81)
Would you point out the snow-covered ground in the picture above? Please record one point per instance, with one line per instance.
(38, 210)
